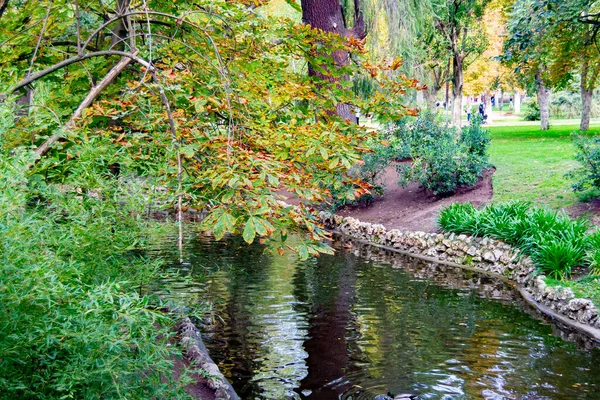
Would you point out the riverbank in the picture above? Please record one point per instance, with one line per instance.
(482, 255)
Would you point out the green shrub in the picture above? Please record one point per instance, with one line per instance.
(383, 152)
(587, 176)
(533, 111)
(554, 241)
(74, 324)
(441, 161)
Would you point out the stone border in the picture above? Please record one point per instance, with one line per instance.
(483, 255)
(197, 354)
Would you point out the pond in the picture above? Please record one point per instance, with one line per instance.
(358, 325)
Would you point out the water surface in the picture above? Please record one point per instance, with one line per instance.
(348, 327)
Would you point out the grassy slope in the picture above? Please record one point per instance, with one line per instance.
(531, 164)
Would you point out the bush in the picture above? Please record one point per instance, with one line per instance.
(567, 104)
(533, 111)
(442, 162)
(383, 151)
(587, 176)
(74, 324)
(555, 242)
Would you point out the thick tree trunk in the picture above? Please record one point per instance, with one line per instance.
(517, 102)
(430, 97)
(457, 89)
(327, 16)
(586, 108)
(543, 96)
(420, 98)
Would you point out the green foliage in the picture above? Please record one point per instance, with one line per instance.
(587, 176)
(441, 162)
(567, 104)
(247, 122)
(533, 111)
(74, 324)
(556, 259)
(592, 255)
(555, 242)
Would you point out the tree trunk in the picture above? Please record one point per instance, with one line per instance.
(543, 96)
(488, 107)
(468, 108)
(457, 89)
(500, 100)
(119, 32)
(420, 98)
(327, 16)
(586, 108)
(517, 102)
(23, 102)
(430, 97)
(586, 98)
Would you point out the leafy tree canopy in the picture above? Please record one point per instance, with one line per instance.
(208, 104)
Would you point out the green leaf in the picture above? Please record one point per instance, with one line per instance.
(294, 5)
(303, 252)
(187, 151)
(260, 226)
(324, 154)
(273, 180)
(249, 232)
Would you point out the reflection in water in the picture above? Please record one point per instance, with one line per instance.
(345, 327)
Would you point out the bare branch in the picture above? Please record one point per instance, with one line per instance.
(89, 99)
(32, 78)
(37, 46)
(3, 6)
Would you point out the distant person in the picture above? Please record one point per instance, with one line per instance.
(511, 103)
(481, 110)
(468, 111)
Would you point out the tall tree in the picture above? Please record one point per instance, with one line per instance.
(527, 51)
(458, 23)
(575, 56)
(330, 16)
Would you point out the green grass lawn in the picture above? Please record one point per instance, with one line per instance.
(531, 164)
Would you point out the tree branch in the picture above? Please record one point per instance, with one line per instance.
(3, 6)
(89, 99)
(32, 78)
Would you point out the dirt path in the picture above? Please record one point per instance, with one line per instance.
(411, 208)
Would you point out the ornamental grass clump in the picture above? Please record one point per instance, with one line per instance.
(555, 242)
(73, 322)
